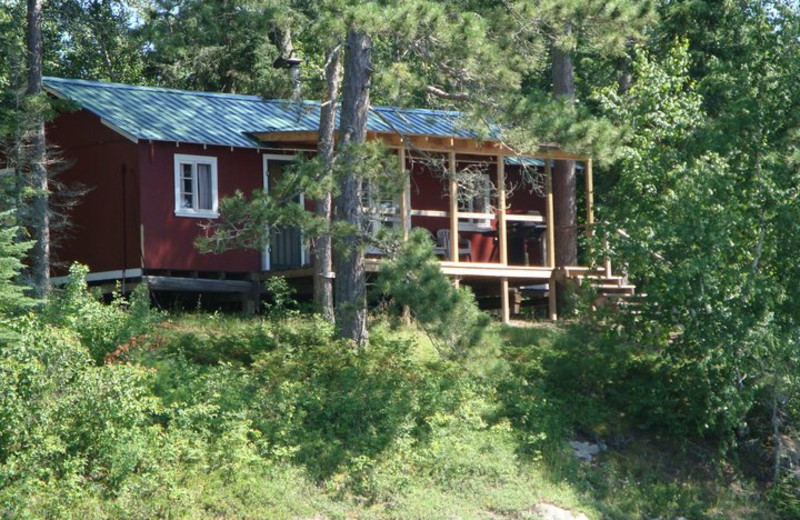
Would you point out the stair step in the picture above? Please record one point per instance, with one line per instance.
(599, 277)
(612, 284)
(575, 270)
(627, 298)
(599, 274)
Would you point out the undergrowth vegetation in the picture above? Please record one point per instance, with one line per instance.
(118, 412)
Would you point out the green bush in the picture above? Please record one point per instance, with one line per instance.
(61, 418)
(329, 404)
(102, 328)
(785, 495)
(281, 302)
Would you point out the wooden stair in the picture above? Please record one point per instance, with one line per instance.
(610, 289)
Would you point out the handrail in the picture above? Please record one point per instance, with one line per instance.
(511, 217)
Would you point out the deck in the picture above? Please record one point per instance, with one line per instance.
(482, 270)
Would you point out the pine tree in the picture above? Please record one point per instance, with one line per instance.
(323, 247)
(351, 281)
(93, 39)
(220, 46)
(12, 251)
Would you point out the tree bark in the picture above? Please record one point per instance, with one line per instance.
(351, 303)
(323, 255)
(564, 181)
(39, 221)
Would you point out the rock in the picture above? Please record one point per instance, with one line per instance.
(586, 450)
(791, 452)
(551, 512)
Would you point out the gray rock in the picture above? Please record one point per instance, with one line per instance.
(551, 512)
(586, 450)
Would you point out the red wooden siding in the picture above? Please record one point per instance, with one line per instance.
(169, 239)
(104, 232)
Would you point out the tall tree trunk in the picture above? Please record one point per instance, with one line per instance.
(351, 302)
(564, 182)
(39, 205)
(323, 255)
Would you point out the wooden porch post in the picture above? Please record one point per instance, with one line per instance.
(551, 238)
(551, 235)
(502, 227)
(589, 199)
(453, 207)
(405, 212)
(502, 235)
(504, 304)
(405, 197)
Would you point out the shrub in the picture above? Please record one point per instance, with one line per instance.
(62, 418)
(102, 328)
(281, 301)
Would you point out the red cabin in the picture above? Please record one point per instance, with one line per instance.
(157, 162)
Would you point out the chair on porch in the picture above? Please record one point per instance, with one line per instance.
(443, 241)
(437, 249)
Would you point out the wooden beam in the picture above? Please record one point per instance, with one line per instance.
(405, 197)
(504, 304)
(453, 185)
(429, 143)
(552, 308)
(102, 276)
(551, 235)
(487, 270)
(556, 155)
(283, 137)
(173, 283)
(502, 228)
(301, 272)
(389, 138)
(589, 199)
(525, 218)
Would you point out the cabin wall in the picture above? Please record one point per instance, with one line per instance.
(103, 232)
(169, 239)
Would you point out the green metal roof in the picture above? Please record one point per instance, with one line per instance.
(161, 114)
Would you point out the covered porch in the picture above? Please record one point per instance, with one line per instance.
(502, 235)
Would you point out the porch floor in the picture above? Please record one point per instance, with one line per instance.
(482, 270)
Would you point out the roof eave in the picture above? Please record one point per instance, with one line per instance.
(428, 143)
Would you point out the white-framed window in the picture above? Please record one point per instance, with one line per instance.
(196, 192)
(474, 196)
(380, 208)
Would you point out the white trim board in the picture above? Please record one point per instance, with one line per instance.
(102, 276)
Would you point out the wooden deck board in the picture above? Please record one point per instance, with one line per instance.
(480, 270)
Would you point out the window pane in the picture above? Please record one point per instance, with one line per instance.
(204, 194)
(187, 186)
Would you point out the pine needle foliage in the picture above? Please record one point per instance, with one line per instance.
(12, 251)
